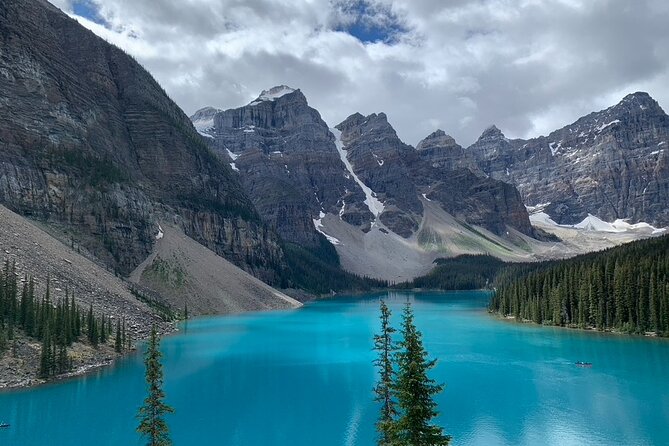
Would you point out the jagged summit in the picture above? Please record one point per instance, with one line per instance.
(203, 120)
(438, 138)
(274, 93)
(491, 133)
(611, 163)
(639, 101)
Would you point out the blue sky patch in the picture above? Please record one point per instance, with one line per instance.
(88, 10)
(368, 21)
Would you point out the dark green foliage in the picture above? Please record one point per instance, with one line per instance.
(624, 288)
(415, 391)
(386, 348)
(96, 171)
(404, 389)
(228, 208)
(465, 272)
(55, 324)
(163, 310)
(118, 341)
(151, 415)
(317, 270)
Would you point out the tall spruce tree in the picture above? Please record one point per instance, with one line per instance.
(385, 347)
(415, 391)
(152, 424)
(118, 342)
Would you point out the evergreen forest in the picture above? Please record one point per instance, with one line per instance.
(55, 323)
(625, 288)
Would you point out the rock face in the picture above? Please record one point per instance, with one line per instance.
(287, 161)
(438, 170)
(296, 171)
(613, 164)
(441, 151)
(382, 161)
(90, 143)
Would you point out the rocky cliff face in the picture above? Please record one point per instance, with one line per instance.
(296, 171)
(382, 162)
(287, 161)
(441, 151)
(89, 142)
(613, 164)
(438, 170)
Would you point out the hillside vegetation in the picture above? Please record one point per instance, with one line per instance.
(624, 288)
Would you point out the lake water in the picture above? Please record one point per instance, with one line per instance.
(304, 378)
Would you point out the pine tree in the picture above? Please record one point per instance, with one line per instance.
(45, 356)
(415, 391)
(384, 345)
(152, 423)
(118, 342)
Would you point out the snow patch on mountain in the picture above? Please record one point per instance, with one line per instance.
(318, 224)
(592, 223)
(537, 207)
(204, 126)
(603, 126)
(232, 155)
(272, 94)
(374, 204)
(542, 218)
(595, 224)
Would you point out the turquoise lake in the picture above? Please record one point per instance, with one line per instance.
(304, 378)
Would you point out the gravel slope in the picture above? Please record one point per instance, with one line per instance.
(39, 254)
(183, 272)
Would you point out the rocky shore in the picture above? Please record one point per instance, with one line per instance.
(39, 255)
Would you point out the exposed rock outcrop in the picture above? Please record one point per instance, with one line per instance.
(287, 161)
(381, 160)
(613, 164)
(441, 151)
(89, 142)
(438, 169)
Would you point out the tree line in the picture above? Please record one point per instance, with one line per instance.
(464, 272)
(318, 270)
(56, 323)
(625, 288)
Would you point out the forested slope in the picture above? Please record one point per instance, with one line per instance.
(624, 288)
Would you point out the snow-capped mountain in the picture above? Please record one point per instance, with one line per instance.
(287, 160)
(368, 193)
(613, 164)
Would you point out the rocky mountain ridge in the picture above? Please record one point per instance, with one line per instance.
(287, 162)
(613, 164)
(91, 144)
(297, 170)
(359, 186)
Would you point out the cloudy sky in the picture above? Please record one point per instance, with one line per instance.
(528, 66)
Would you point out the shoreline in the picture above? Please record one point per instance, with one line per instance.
(106, 358)
(607, 331)
(111, 358)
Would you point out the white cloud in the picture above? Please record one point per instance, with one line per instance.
(528, 66)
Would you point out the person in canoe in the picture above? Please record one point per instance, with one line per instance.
(583, 364)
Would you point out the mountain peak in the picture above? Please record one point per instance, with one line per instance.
(375, 120)
(438, 138)
(204, 112)
(491, 133)
(639, 99)
(273, 93)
